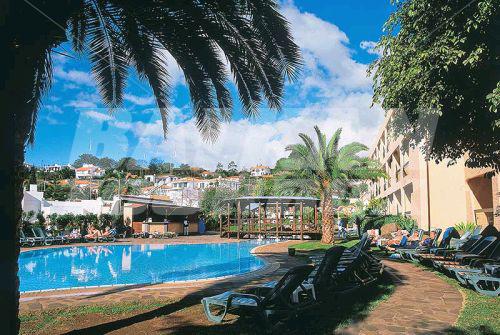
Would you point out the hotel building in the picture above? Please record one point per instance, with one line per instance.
(436, 195)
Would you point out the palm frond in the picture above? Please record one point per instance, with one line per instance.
(107, 53)
(42, 82)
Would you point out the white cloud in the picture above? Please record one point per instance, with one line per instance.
(370, 47)
(327, 57)
(98, 116)
(341, 98)
(137, 100)
(84, 100)
(74, 76)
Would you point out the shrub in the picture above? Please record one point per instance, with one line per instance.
(465, 226)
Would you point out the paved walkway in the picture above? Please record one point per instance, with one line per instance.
(422, 303)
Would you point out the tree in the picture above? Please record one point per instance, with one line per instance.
(57, 192)
(264, 187)
(32, 176)
(85, 159)
(323, 169)
(155, 165)
(212, 205)
(440, 64)
(251, 36)
(127, 164)
(106, 163)
(232, 168)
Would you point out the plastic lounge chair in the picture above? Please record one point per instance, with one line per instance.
(480, 250)
(262, 302)
(56, 238)
(484, 283)
(475, 265)
(26, 241)
(320, 279)
(412, 254)
(37, 240)
(40, 236)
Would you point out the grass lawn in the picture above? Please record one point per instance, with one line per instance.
(317, 245)
(185, 316)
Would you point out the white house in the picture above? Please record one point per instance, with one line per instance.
(88, 171)
(34, 201)
(260, 170)
(56, 167)
(164, 179)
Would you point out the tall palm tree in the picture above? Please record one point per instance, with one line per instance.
(211, 40)
(323, 170)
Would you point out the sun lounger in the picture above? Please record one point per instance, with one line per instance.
(40, 237)
(319, 280)
(412, 254)
(480, 250)
(110, 237)
(484, 283)
(26, 241)
(265, 303)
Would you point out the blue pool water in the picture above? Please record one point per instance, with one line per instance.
(67, 267)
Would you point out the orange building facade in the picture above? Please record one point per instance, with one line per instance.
(436, 195)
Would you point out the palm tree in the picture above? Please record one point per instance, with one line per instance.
(323, 170)
(210, 40)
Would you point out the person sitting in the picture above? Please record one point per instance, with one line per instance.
(400, 238)
(107, 232)
(92, 233)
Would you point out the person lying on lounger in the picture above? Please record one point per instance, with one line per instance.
(93, 233)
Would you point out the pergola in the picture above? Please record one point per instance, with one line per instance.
(249, 217)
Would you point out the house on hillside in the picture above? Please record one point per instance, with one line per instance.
(260, 170)
(89, 171)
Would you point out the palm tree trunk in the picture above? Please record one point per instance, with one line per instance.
(327, 219)
(25, 37)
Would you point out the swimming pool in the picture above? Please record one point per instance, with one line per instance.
(84, 266)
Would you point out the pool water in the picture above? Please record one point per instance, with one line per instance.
(69, 267)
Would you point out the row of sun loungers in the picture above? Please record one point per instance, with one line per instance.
(33, 236)
(302, 288)
(474, 261)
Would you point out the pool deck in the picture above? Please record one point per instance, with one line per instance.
(275, 255)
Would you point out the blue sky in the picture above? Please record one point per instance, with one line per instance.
(336, 38)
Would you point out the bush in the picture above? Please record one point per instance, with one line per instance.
(465, 226)
(377, 222)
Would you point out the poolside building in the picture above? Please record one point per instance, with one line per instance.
(158, 215)
(435, 195)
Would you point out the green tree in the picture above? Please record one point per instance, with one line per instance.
(232, 168)
(106, 163)
(127, 164)
(440, 68)
(32, 176)
(324, 169)
(252, 37)
(212, 205)
(85, 159)
(264, 187)
(57, 192)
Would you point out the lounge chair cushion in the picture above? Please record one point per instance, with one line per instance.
(237, 301)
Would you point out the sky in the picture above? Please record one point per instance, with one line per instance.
(337, 40)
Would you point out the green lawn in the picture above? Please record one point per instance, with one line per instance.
(36, 322)
(317, 245)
